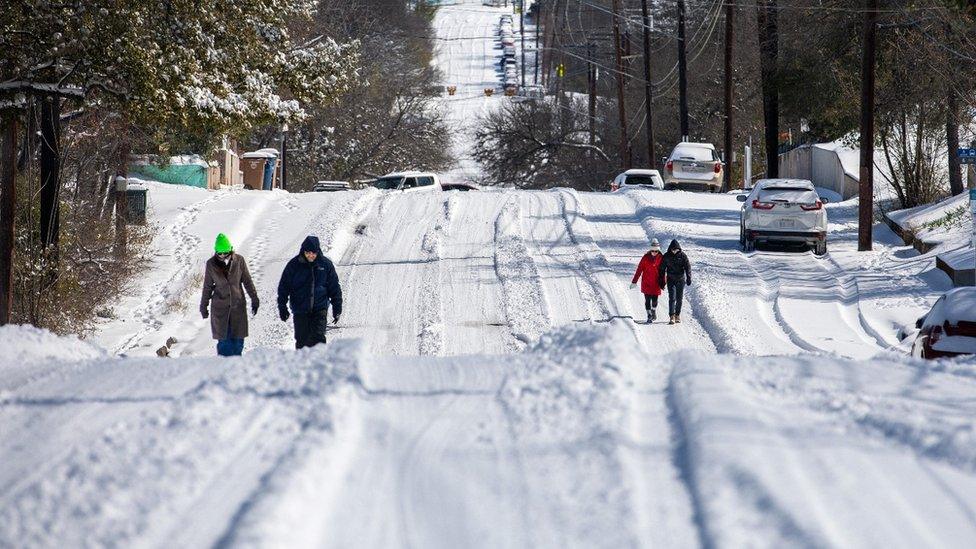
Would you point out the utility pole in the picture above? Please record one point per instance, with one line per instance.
(952, 138)
(768, 57)
(682, 72)
(865, 218)
(8, 199)
(591, 84)
(522, 32)
(648, 87)
(621, 104)
(538, 21)
(729, 150)
(284, 156)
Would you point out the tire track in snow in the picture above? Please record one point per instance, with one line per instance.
(431, 337)
(525, 303)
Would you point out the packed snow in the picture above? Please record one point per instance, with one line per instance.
(492, 383)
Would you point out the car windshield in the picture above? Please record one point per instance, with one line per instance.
(693, 153)
(388, 182)
(640, 180)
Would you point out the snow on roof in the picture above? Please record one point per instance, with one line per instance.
(695, 144)
(408, 173)
(641, 171)
(258, 154)
(179, 160)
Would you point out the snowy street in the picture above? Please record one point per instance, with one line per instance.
(492, 381)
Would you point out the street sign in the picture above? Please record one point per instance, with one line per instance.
(972, 209)
(967, 156)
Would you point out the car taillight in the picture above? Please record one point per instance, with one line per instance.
(670, 166)
(762, 205)
(815, 206)
(936, 334)
(718, 167)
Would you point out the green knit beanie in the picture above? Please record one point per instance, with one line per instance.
(222, 246)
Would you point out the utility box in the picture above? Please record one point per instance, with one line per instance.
(137, 197)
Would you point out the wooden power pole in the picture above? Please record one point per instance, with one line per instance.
(648, 87)
(865, 218)
(729, 149)
(8, 199)
(621, 83)
(682, 72)
(769, 63)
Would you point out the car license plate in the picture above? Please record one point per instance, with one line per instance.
(787, 223)
(693, 168)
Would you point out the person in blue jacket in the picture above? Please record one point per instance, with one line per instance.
(311, 284)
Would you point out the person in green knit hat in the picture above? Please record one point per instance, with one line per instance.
(225, 280)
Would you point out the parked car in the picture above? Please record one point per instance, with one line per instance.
(408, 181)
(460, 186)
(693, 167)
(508, 41)
(783, 210)
(330, 186)
(638, 178)
(509, 51)
(949, 328)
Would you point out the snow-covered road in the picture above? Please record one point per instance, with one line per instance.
(491, 382)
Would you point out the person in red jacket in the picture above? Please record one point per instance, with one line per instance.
(647, 272)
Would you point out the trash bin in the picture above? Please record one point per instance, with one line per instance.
(137, 199)
(255, 166)
(269, 173)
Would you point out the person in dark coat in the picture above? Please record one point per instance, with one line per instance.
(675, 271)
(310, 283)
(225, 279)
(647, 272)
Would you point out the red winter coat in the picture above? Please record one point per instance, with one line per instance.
(647, 271)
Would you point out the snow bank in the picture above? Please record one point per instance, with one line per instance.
(21, 345)
(945, 222)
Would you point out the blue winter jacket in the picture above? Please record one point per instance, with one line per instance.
(310, 286)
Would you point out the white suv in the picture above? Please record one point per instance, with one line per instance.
(783, 210)
(408, 181)
(694, 167)
(637, 178)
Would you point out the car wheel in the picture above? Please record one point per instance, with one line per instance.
(820, 248)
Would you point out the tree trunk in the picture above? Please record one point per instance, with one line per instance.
(621, 84)
(8, 200)
(769, 54)
(50, 170)
(121, 201)
(952, 138)
(648, 87)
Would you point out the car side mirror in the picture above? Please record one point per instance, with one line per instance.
(824, 200)
(741, 198)
(919, 322)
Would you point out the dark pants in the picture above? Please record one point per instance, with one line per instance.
(230, 346)
(310, 328)
(676, 292)
(650, 301)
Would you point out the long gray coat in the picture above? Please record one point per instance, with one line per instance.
(223, 291)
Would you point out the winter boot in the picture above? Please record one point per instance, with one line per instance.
(650, 316)
(672, 320)
(653, 315)
(677, 319)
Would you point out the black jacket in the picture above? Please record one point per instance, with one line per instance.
(675, 265)
(310, 286)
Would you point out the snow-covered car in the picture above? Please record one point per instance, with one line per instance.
(636, 178)
(693, 167)
(949, 328)
(408, 181)
(509, 51)
(330, 186)
(508, 41)
(783, 210)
